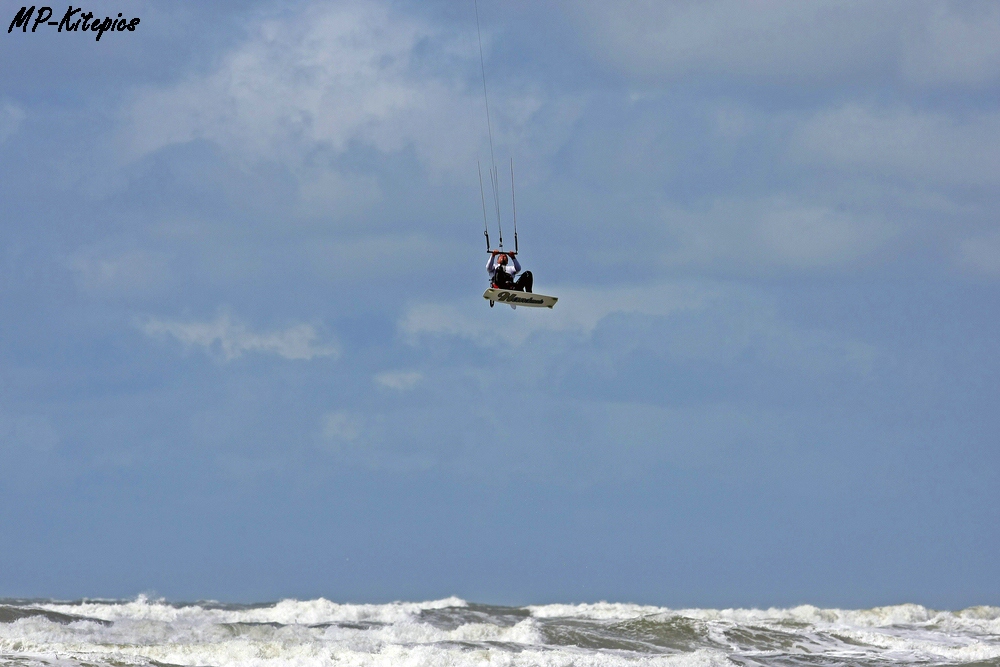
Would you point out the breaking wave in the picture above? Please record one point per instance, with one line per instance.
(454, 632)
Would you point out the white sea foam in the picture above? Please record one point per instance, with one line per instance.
(598, 610)
(307, 633)
(304, 612)
(980, 619)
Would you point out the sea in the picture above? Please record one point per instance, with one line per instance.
(453, 632)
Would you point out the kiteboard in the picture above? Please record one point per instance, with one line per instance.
(515, 298)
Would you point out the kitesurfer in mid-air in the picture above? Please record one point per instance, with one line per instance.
(503, 267)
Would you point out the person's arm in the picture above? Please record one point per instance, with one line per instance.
(517, 264)
(491, 265)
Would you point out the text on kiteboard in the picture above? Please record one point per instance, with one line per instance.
(515, 297)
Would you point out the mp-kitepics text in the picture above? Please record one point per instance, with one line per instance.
(72, 21)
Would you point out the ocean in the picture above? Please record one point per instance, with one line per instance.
(453, 632)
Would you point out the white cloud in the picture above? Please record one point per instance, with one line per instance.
(922, 42)
(11, 117)
(233, 339)
(330, 75)
(400, 380)
(900, 141)
(772, 232)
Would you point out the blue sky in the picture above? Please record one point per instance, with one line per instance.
(244, 355)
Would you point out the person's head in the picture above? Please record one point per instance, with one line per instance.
(502, 259)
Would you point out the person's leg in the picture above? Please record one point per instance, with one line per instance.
(503, 280)
(525, 281)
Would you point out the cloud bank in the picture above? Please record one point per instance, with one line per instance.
(920, 43)
(232, 339)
